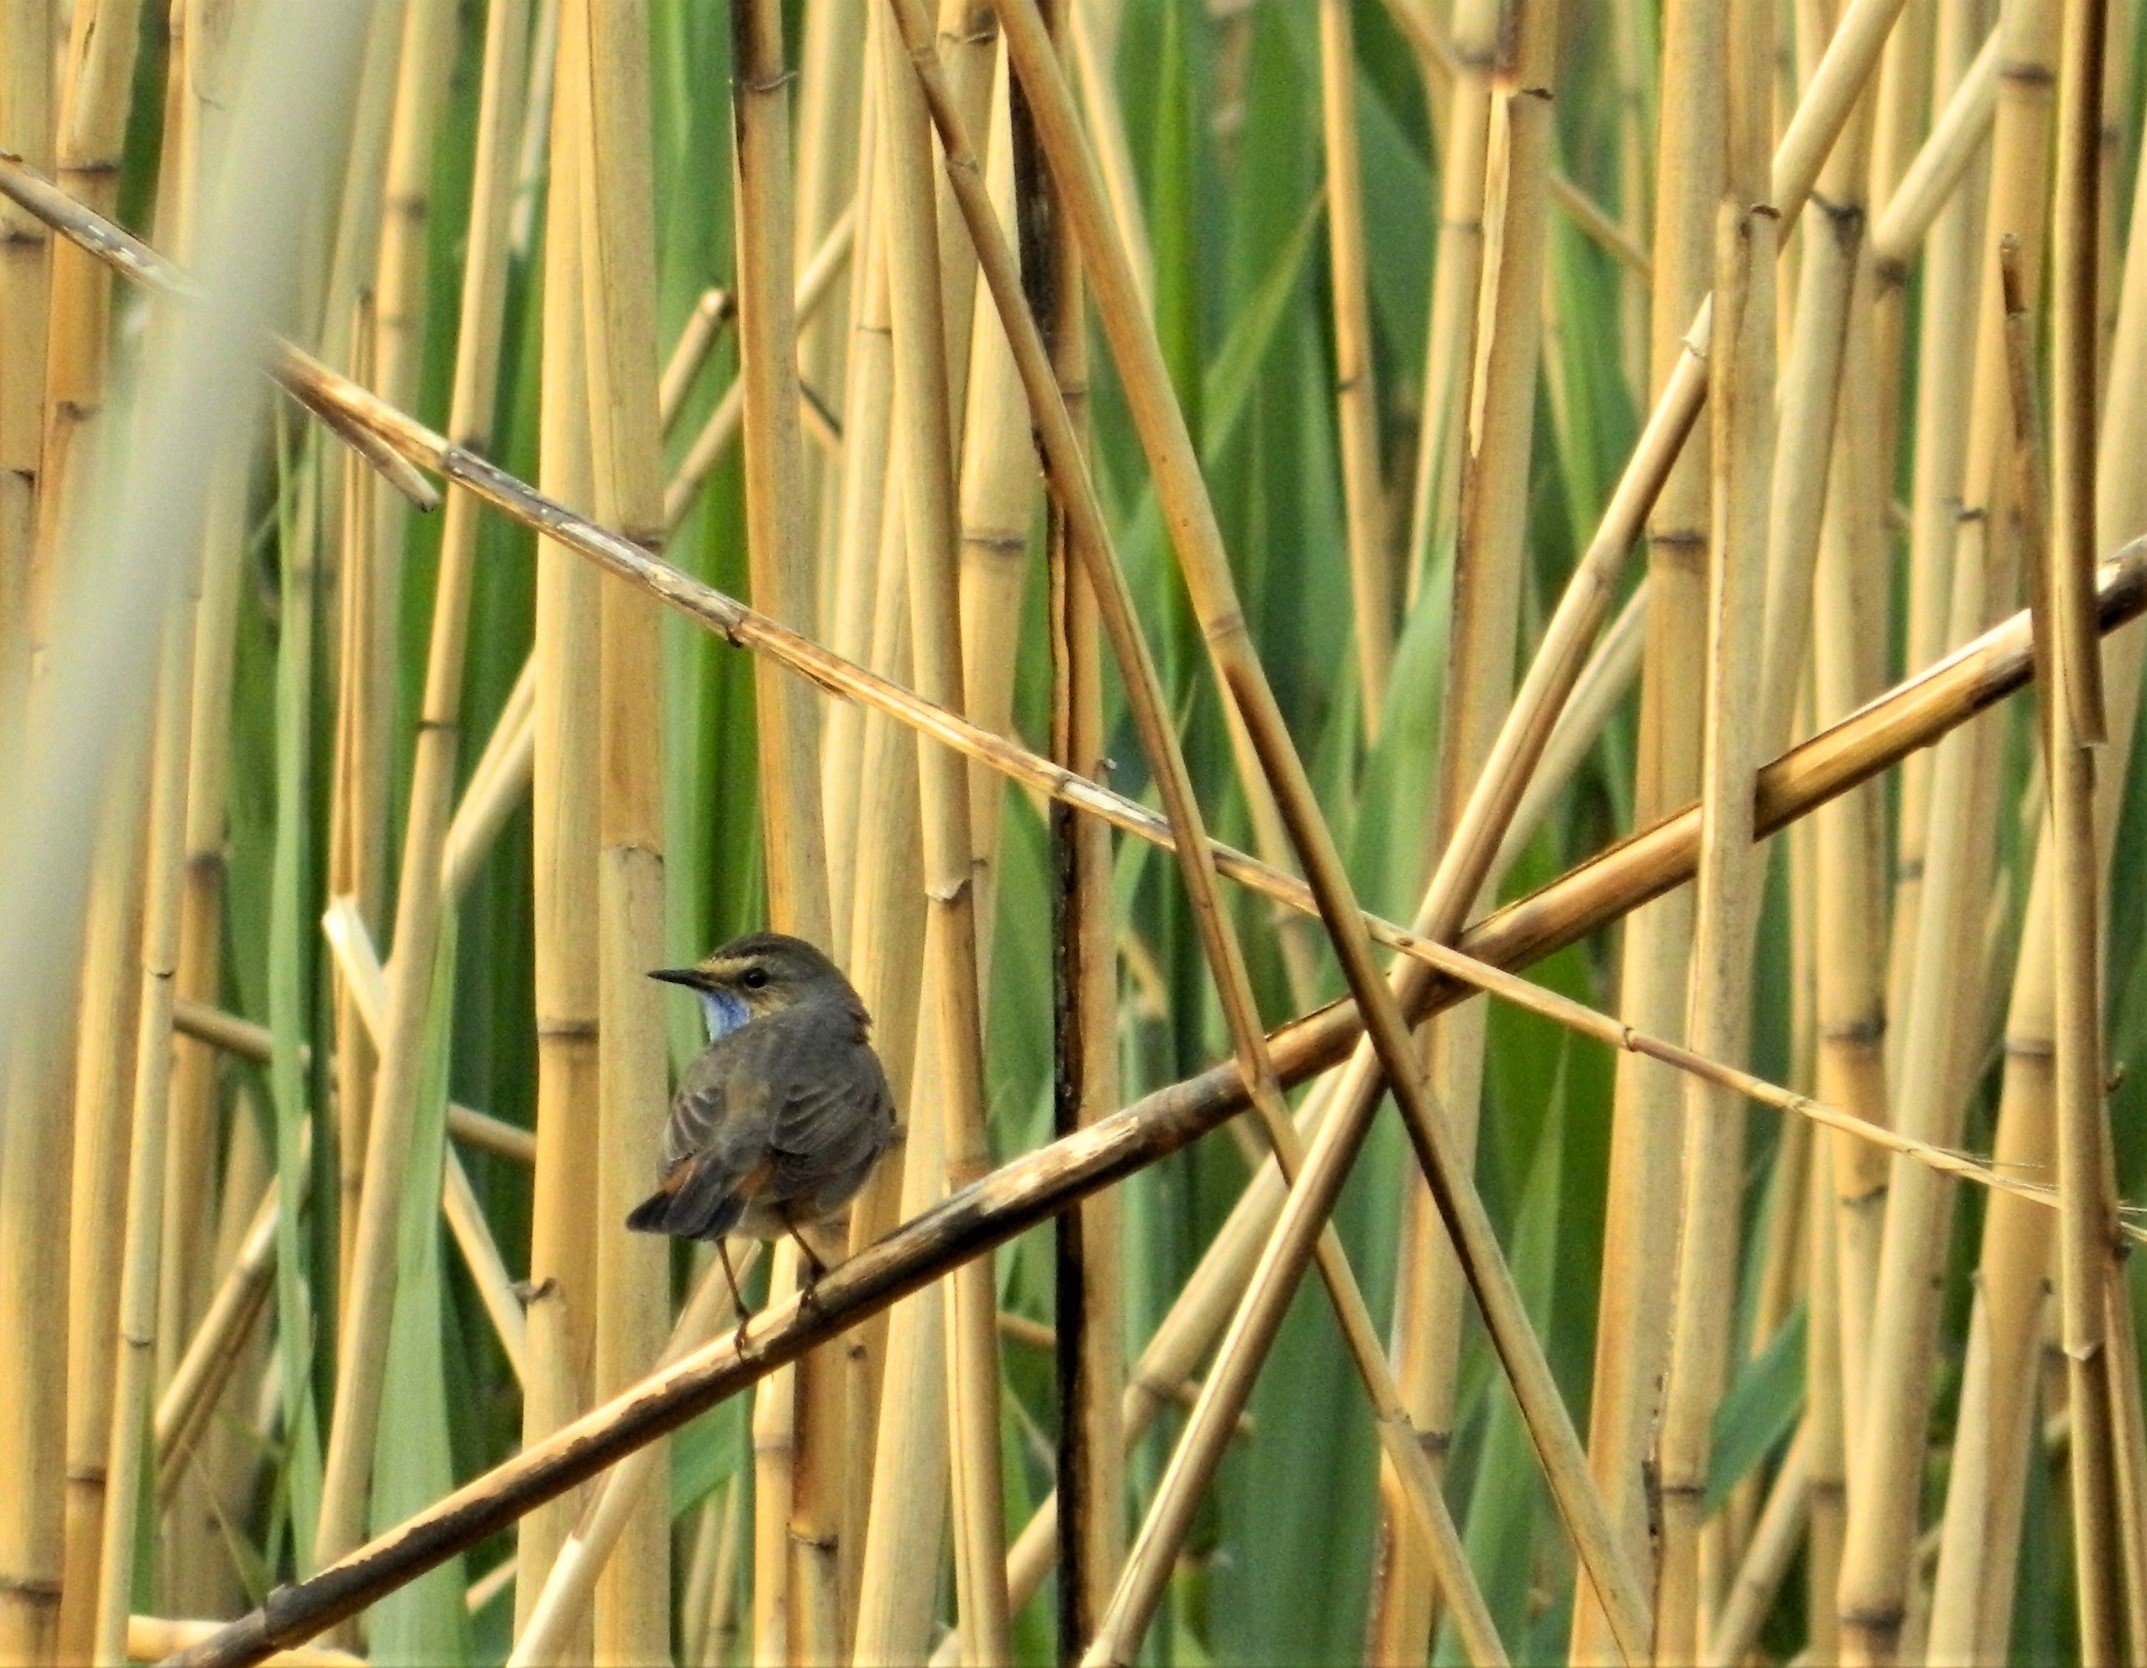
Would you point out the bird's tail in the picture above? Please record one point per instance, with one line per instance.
(691, 1202)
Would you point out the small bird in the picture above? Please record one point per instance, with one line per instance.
(779, 1120)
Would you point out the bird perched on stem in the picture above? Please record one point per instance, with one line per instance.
(779, 1120)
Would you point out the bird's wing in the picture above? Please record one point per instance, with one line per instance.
(711, 1164)
(829, 1111)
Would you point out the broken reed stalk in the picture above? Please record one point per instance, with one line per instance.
(1942, 1034)
(926, 465)
(608, 43)
(1726, 903)
(1496, 429)
(1029, 1189)
(1371, 561)
(2074, 723)
(361, 1359)
(564, 794)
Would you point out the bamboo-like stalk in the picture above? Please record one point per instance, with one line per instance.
(1641, 1223)
(96, 94)
(1767, 1559)
(1485, 611)
(1031, 1188)
(562, 1251)
(1726, 906)
(1848, 666)
(1945, 357)
(59, 1515)
(608, 44)
(362, 1358)
(133, 1385)
(153, 1638)
(104, 1086)
(1940, 1030)
(2074, 721)
(921, 420)
(26, 130)
(1371, 564)
(1450, 333)
(1089, 1293)
(780, 562)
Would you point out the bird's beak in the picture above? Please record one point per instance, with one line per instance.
(686, 976)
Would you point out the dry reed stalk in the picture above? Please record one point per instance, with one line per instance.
(358, 777)
(1356, 396)
(1945, 357)
(1972, 1602)
(1848, 666)
(833, 72)
(1198, 544)
(1641, 1226)
(1767, 1559)
(1496, 427)
(26, 130)
(1096, 66)
(1089, 1293)
(133, 1384)
(564, 788)
(214, 55)
(1941, 1035)
(1725, 913)
(817, 280)
(780, 561)
(1450, 334)
(183, 1410)
(153, 1638)
(853, 579)
(2074, 722)
(57, 1430)
(606, 1518)
(1605, 679)
(104, 1085)
(424, 65)
(1032, 1188)
(921, 419)
(608, 44)
(363, 1340)
(96, 94)
(497, 786)
(697, 339)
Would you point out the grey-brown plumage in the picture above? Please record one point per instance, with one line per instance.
(777, 1123)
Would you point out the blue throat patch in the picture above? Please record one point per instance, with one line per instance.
(722, 1012)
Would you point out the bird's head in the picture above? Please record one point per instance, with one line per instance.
(759, 974)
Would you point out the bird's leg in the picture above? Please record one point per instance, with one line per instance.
(723, 1251)
(814, 1266)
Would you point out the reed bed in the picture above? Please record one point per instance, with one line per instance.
(1224, 557)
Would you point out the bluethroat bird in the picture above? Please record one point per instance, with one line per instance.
(779, 1120)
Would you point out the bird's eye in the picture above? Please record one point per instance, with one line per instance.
(755, 979)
